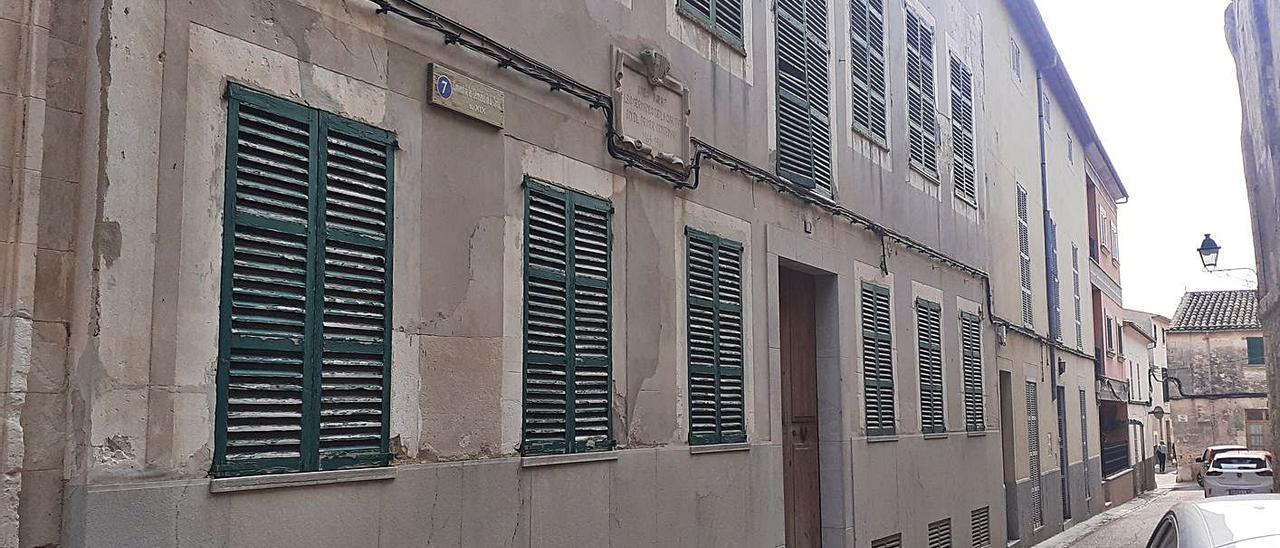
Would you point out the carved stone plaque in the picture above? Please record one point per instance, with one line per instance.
(651, 109)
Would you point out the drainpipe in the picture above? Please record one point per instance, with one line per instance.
(1049, 246)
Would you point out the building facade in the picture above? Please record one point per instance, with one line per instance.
(1217, 375)
(1252, 27)
(395, 273)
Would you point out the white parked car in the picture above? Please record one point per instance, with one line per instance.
(1239, 473)
(1235, 522)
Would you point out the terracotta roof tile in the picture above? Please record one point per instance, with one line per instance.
(1217, 311)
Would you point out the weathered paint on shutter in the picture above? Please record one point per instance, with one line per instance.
(940, 534)
(867, 69)
(980, 527)
(929, 356)
(722, 17)
(921, 98)
(567, 322)
(716, 395)
(1024, 257)
(1084, 442)
(1257, 352)
(272, 365)
(971, 351)
(962, 134)
(591, 324)
(1033, 452)
(1054, 289)
(803, 138)
(1075, 288)
(877, 360)
(264, 358)
(356, 318)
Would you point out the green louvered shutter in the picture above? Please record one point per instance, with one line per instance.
(804, 135)
(971, 357)
(1257, 352)
(962, 133)
(921, 118)
(877, 360)
(867, 69)
(929, 339)
(722, 17)
(716, 396)
(567, 322)
(356, 319)
(289, 399)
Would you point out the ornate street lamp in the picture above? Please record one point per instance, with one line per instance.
(1209, 253)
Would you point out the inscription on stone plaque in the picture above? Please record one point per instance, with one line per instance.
(651, 109)
(460, 93)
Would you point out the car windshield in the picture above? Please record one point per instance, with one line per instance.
(1239, 463)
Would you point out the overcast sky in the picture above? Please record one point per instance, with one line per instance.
(1159, 83)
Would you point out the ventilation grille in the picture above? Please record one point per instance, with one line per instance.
(940, 534)
(980, 524)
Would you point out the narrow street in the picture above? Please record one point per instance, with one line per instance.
(1130, 524)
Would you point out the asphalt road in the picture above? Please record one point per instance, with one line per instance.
(1128, 525)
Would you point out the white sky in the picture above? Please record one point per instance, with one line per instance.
(1159, 83)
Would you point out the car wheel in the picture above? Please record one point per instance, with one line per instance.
(1200, 479)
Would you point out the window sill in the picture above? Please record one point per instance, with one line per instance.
(719, 448)
(976, 433)
(299, 479)
(572, 458)
(937, 436)
(882, 439)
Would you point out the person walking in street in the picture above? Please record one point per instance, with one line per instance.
(1162, 454)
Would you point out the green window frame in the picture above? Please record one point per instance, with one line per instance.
(963, 134)
(568, 372)
(803, 95)
(929, 358)
(971, 358)
(1257, 351)
(867, 70)
(722, 18)
(303, 380)
(714, 322)
(877, 360)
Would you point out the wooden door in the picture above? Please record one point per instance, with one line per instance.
(799, 409)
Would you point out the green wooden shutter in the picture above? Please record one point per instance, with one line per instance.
(877, 360)
(722, 17)
(929, 345)
(971, 350)
(921, 117)
(567, 322)
(287, 402)
(804, 137)
(714, 318)
(867, 69)
(1024, 257)
(1257, 353)
(962, 135)
(356, 316)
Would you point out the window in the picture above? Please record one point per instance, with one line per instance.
(804, 121)
(891, 541)
(1104, 229)
(1071, 149)
(940, 534)
(1015, 60)
(1110, 336)
(877, 360)
(304, 351)
(1257, 354)
(1120, 336)
(1033, 453)
(1115, 239)
(722, 17)
(980, 526)
(714, 323)
(567, 307)
(929, 348)
(971, 350)
(867, 68)
(1054, 292)
(1255, 429)
(962, 140)
(1024, 257)
(1075, 289)
(1166, 535)
(921, 119)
